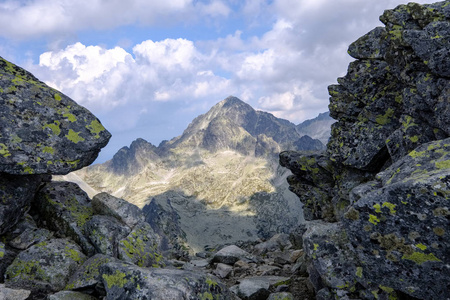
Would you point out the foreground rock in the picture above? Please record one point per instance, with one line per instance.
(123, 281)
(45, 266)
(42, 130)
(383, 185)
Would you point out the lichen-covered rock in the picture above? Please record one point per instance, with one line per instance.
(403, 218)
(16, 194)
(390, 166)
(88, 277)
(124, 281)
(142, 247)
(41, 129)
(312, 182)
(124, 211)
(65, 208)
(30, 237)
(68, 295)
(105, 232)
(6, 258)
(46, 266)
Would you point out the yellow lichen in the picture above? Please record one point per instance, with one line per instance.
(74, 136)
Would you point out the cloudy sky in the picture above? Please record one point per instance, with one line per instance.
(147, 68)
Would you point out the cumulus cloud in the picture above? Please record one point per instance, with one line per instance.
(113, 79)
(278, 55)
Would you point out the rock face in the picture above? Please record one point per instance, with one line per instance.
(383, 185)
(42, 130)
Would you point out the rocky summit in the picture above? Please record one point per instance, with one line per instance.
(378, 198)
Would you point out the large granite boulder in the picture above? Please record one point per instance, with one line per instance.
(46, 266)
(65, 208)
(42, 130)
(124, 281)
(383, 184)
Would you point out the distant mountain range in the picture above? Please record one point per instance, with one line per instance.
(220, 181)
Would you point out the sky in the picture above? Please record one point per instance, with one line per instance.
(146, 68)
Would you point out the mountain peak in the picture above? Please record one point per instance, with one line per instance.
(232, 101)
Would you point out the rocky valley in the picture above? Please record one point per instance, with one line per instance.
(220, 181)
(375, 201)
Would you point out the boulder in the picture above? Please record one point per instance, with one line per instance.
(281, 296)
(16, 294)
(142, 247)
(105, 232)
(30, 237)
(65, 208)
(43, 131)
(399, 224)
(223, 270)
(258, 288)
(124, 211)
(69, 295)
(124, 281)
(88, 278)
(231, 254)
(46, 266)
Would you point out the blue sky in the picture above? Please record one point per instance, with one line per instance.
(147, 68)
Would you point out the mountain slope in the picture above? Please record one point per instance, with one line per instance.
(223, 170)
(317, 128)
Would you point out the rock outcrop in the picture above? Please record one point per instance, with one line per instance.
(378, 198)
(42, 131)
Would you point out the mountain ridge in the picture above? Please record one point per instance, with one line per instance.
(224, 165)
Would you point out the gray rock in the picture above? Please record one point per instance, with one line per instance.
(6, 258)
(142, 247)
(13, 294)
(404, 220)
(281, 296)
(387, 165)
(231, 254)
(200, 263)
(16, 194)
(105, 232)
(41, 130)
(124, 281)
(45, 267)
(223, 270)
(30, 237)
(69, 295)
(65, 208)
(88, 277)
(129, 214)
(258, 288)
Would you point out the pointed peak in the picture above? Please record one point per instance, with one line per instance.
(231, 100)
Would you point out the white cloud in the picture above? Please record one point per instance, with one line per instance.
(62, 17)
(215, 8)
(280, 57)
